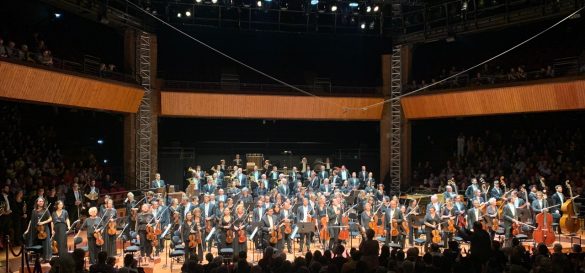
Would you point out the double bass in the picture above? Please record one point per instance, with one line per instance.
(544, 232)
(569, 223)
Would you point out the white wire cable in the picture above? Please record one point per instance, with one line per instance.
(234, 59)
(468, 69)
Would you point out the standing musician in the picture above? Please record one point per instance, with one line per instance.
(245, 197)
(434, 203)
(369, 188)
(238, 161)
(394, 215)
(40, 218)
(413, 212)
(304, 214)
(263, 181)
(91, 224)
(470, 191)
(321, 210)
(157, 182)
(344, 173)
(345, 188)
(142, 220)
(450, 190)
(284, 189)
(208, 214)
(209, 188)
(459, 205)
(109, 218)
(323, 173)
(532, 193)
(354, 182)
(366, 217)
(326, 188)
(307, 173)
(293, 176)
(242, 178)
(269, 223)
(91, 194)
(257, 216)
(221, 196)
(240, 224)
(334, 221)
(225, 224)
(185, 207)
(314, 183)
(273, 177)
(262, 189)
(448, 213)
(59, 227)
(478, 196)
(474, 214)
(74, 202)
(558, 198)
(432, 221)
(491, 214)
(539, 204)
(363, 176)
(160, 211)
(131, 212)
(287, 218)
(370, 179)
(510, 214)
(379, 193)
(255, 175)
(190, 227)
(496, 192)
(335, 179)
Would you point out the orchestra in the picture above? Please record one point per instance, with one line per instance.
(266, 207)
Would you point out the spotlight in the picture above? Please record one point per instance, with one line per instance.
(353, 4)
(259, 3)
(188, 13)
(464, 6)
(105, 161)
(100, 141)
(57, 15)
(314, 2)
(334, 8)
(363, 25)
(368, 9)
(214, 1)
(179, 15)
(376, 8)
(154, 12)
(198, 1)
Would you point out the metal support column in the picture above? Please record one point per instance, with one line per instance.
(144, 115)
(396, 120)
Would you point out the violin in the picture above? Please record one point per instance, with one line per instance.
(436, 235)
(495, 224)
(192, 238)
(41, 232)
(344, 232)
(99, 240)
(394, 231)
(273, 237)
(451, 225)
(324, 231)
(54, 246)
(112, 230)
(229, 234)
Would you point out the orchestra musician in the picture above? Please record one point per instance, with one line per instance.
(345, 188)
(160, 211)
(240, 223)
(394, 215)
(363, 176)
(491, 214)
(335, 179)
(40, 217)
(366, 217)
(496, 192)
(474, 214)
(449, 193)
(255, 175)
(323, 173)
(157, 182)
(242, 178)
(142, 220)
(448, 213)
(293, 176)
(344, 173)
(509, 215)
(59, 226)
(370, 179)
(262, 189)
(532, 193)
(225, 223)
(379, 193)
(434, 203)
(314, 182)
(413, 212)
(558, 198)
(131, 212)
(257, 216)
(286, 217)
(269, 223)
(189, 227)
(273, 177)
(539, 204)
(326, 188)
(208, 214)
(245, 197)
(304, 213)
(91, 225)
(110, 216)
(209, 188)
(432, 221)
(91, 193)
(74, 202)
(470, 191)
(221, 197)
(307, 173)
(238, 161)
(284, 189)
(334, 221)
(354, 182)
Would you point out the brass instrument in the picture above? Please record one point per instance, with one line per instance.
(92, 196)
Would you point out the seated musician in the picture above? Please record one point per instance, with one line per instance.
(245, 196)
(326, 188)
(379, 193)
(434, 203)
(157, 182)
(449, 193)
(314, 182)
(283, 188)
(345, 188)
(233, 190)
(221, 196)
(261, 190)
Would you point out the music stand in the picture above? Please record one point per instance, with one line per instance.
(306, 227)
(256, 227)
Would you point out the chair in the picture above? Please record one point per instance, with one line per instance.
(134, 246)
(227, 254)
(176, 253)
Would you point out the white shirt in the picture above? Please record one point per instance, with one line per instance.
(305, 211)
(260, 213)
(476, 214)
(513, 209)
(561, 197)
(187, 208)
(270, 222)
(76, 195)
(206, 210)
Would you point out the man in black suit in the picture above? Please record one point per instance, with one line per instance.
(394, 215)
(354, 182)
(307, 174)
(208, 215)
(558, 198)
(209, 188)
(303, 213)
(474, 215)
(363, 176)
(269, 224)
(283, 188)
(510, 215)
(323, 174)
(242, 178)
(74, 202)
(157, 182)
(314, 182)
(334, 214)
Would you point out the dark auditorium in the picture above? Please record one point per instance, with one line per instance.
(329, 136)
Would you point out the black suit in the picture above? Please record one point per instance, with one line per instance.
(266, 228)
(397, 215)
(73, 210)
(305, 237)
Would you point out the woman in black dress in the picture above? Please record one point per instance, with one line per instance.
(240, 223)
(40, 219)
(21, 215)
(59, 227)
(110, 215)
(432, 221)
(91, 224)
(225, 224)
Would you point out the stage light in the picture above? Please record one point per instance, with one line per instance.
(363, 25)
(214, 1)
(368, 9)
(188, 13)
(314, 2)
(372, 25)
(179, 15)
(334, 8)
(57, 15)
(464, 6)
(100, 141)
(105, 161)
(154, 12)
(353, 4)
(376, 8)
(198, 1)
(259, 3)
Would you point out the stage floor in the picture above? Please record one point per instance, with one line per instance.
(162, 263)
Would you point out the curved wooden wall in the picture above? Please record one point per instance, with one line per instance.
(185, 104)
(536, 97)
(20, 82)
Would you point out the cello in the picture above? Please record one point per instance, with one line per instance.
(436, 235)
(544, 232)
(324, 231)
(344, 232)
(569, 223)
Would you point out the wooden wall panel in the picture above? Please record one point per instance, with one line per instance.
(20, 82)
(185, 104)
(538, 97)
